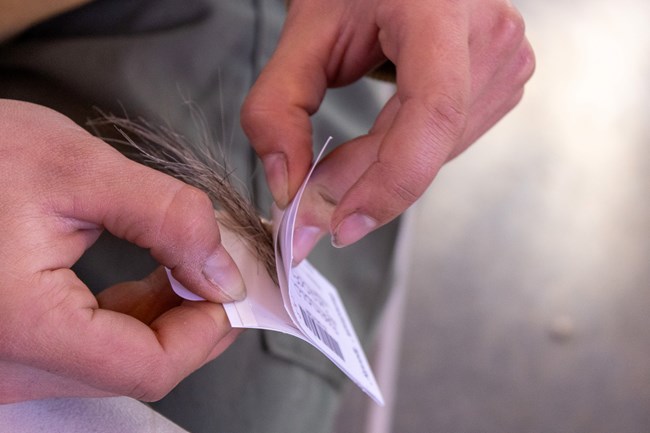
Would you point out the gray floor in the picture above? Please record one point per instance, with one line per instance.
(529, 290)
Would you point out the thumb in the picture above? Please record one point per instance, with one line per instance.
(155, 211)
(276, 114)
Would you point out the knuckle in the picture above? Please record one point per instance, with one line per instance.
(249, 114)
(193, 205)
(526, 62)
(186, 216)
(193, 198)
(152, 383)
(256, 115)
(509, 27)
(447, 118)
(404, 191)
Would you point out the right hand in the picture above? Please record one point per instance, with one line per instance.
(461, 66)
(60, 188)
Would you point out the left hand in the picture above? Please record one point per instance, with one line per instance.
(60, 189)
(461, 66)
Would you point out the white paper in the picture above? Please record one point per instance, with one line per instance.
(305, 305)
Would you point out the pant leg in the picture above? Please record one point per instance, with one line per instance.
(146, 58)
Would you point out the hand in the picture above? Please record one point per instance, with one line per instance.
(60, 188)
(461, 66)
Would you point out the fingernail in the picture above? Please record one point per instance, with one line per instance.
(353, 228)
(275, 166)
(304, 240)
(222, 273)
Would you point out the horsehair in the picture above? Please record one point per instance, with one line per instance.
(165, 150)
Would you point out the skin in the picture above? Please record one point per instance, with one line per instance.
(17, 15)
(461, 66)
(61, 187)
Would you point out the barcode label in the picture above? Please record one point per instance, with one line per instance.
(321, 333)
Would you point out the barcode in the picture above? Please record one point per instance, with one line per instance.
(321, 333)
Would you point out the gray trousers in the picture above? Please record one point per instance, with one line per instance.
(145, 58)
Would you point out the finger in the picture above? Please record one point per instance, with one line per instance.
(150, 298)
(497, 33)
(500, 97)
(433, 89)
(276, 113)
(332, 178)
(144, 300)
(111, 351)
(155, 211)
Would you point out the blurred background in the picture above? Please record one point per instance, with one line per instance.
(527, 306)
